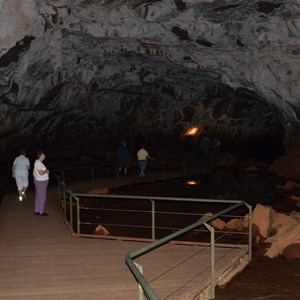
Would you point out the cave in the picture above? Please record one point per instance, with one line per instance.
(78, 77)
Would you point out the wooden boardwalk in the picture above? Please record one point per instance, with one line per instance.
(39, 259)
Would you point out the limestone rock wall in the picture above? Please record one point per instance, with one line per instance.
(97, 70)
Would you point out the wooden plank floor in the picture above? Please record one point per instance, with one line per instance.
(40, 260)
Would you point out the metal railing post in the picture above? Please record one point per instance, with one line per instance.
(63, 186)
(78, 215)
(140, 290)
(249, 232)
(211, 292)
(58, 194)
(153, 219)
(133, 255)
(65, 203)
(71, 211)
(144, 287)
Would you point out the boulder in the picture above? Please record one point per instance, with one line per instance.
(282, 221)
(287, 232)
(235, 224)
(262, 219)
(101, 230)
(283, 240)
(246, 222)
(292, 251)
(217, 224)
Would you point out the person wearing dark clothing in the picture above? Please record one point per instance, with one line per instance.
(204, 147)
(123, 157)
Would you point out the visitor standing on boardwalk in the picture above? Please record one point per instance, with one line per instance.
(123, 157)
(142, 157)
(20, 168)
(41, 179)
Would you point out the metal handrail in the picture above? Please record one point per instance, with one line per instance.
(137, 270)
(152, 199)
(83, 167)
(67, 192)
(182, 165)
(129, 259)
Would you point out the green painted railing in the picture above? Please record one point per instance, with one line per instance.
(61, 173)
(136, 269)
(144, 287)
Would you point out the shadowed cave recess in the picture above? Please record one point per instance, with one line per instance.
(77, 77)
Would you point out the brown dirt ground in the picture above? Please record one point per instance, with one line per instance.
(264, 278)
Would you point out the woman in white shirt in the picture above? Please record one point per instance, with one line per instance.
(41, 179)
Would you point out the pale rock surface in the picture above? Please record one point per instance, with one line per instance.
(246, 222)
(285, 236)
(235, 224)
(262, 220)
(101, 230)
(280, 230)
(73, 70)
(277, 229)
(282, 221)
(218, 224)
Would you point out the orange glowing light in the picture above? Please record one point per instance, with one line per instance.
(192, 131)
(191, 182)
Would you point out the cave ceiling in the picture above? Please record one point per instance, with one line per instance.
(79, 73)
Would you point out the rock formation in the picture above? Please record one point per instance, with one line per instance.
(278, 230)
(79, 73)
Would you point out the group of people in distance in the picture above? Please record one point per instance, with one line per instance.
(20, 170)
(21, 167)
(123, 158)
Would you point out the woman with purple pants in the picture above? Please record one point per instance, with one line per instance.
(41, 179)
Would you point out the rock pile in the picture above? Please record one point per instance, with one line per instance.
(279, 231)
